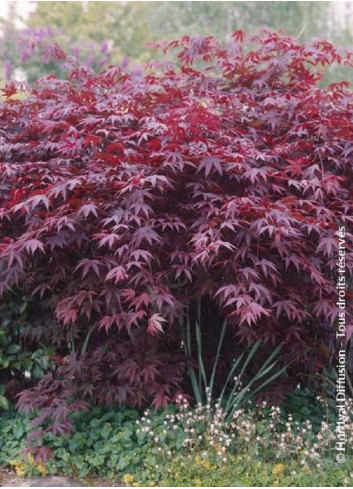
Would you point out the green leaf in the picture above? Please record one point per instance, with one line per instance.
(95, 423)
(4, 403)
(220, 342)
(12, 349)
(18, 432)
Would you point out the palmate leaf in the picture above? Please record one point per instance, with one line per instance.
(118, 274)
(88, 209)
(155, 324)
(32, 245)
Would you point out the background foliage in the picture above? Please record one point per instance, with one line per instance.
(125, 28)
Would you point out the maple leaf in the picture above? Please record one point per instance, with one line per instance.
(109, 239)
(42, 453)
(88, 209)
(86, 265)
(32, 245)
(252, 312)
(328, 245)
(147, 234)
(238, 35)
(67, 315)
(155, 324)
(118, 273)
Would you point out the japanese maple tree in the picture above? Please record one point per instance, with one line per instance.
(128, 195)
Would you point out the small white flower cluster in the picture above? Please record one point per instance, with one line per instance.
(203, 427)
(264, 431)
(291, 439)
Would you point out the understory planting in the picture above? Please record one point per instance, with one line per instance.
(183, 446)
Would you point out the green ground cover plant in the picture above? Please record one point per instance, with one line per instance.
(184, 446)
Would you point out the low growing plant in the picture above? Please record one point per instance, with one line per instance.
(185, 446)
(104, 444)
(244, 471)
(262, 435)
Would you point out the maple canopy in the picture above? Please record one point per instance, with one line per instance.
(129, 194)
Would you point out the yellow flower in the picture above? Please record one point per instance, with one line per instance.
(42, 469)
(135, 484)
(206, 463)
(197, 459)
(128, 478)
(305, 469)
(31, 459)
(276, 483)
(198, 483)
(20, 472)
(152, 484)
(20, 467)
(278, 469)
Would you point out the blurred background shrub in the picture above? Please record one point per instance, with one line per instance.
(125, 28)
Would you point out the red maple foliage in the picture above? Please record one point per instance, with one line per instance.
(127, 195)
